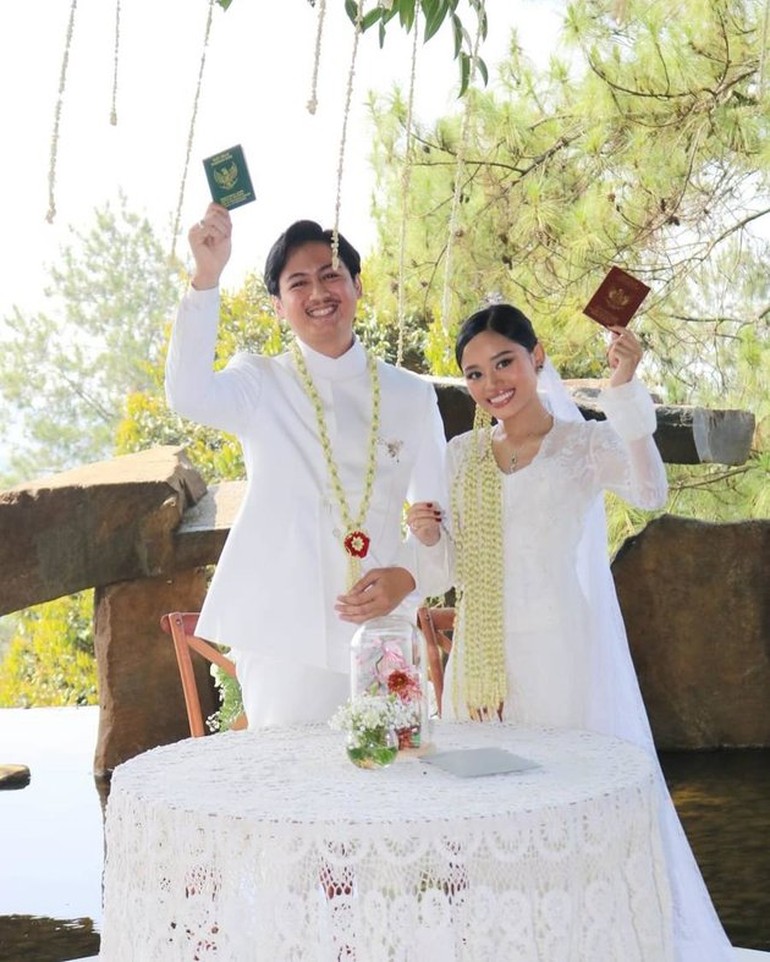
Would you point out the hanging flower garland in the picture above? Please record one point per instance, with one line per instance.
(57, 116)
(312, 103)
(406, 179)
(191, 132)
(763, 49)
(114, 108)
(454, 216)
(436, 12)
(477, 524)
(343, 138)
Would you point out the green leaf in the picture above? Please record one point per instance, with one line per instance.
(434, 19)
(224, 4)
(482, 19)
(465, 73)
(369, 19)
(458, 34)
(405, 13)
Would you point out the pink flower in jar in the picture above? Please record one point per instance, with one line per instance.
(390, 661)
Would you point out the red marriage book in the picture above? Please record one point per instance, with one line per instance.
(617, 298)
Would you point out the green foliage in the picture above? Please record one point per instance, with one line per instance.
(66, 374)
(50, 658)
(247, 323)
(647, 148)
(230, 701)
(434, 14)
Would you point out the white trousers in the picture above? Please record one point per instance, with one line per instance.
(277, 692)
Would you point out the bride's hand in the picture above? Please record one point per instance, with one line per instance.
(623, 355)
(424, 521)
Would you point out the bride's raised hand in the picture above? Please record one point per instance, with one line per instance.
(424, 521)
(623, 355)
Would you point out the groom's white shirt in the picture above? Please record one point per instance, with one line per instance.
(283, 564)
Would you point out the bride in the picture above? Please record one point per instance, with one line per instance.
(539, 638)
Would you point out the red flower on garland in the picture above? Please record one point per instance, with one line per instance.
(357, 544)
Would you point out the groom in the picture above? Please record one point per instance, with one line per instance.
(334, 442)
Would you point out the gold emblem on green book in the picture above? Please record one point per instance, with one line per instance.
(228, 178)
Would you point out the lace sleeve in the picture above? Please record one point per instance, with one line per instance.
(625, 456)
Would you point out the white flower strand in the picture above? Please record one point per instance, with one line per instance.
(312, 104)
(763, 49)
(459, 171)
(191, 132)
(116, 61)
(477, 521)
(343, 138)
(350, 524)
(57, 116)
(406, 178)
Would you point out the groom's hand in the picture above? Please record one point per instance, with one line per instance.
(377, 593)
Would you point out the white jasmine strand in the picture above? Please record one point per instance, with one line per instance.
(355, 542)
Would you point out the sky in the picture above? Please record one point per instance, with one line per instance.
(255, 86)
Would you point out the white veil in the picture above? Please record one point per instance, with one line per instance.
(615, 704)
(617, 708)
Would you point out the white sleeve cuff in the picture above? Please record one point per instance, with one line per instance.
(200, 300)
(629, 409)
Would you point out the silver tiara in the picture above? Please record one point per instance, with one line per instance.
(493, 297)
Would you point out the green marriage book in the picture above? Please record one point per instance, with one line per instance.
(228, 178)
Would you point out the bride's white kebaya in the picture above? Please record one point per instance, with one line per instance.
(539, 637)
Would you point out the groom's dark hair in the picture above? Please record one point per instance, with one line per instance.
(305, 232)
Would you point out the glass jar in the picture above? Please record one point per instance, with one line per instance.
(387, 656)
(373, 747)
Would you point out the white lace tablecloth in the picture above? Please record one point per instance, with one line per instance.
(251, 846)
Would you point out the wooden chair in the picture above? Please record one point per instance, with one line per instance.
(434, 623)
(181, 626)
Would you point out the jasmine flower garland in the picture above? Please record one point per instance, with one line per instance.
(355, 541)
(477, 524)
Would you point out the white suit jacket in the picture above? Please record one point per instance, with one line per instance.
(284, 564)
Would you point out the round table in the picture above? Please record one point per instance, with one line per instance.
(271, 846)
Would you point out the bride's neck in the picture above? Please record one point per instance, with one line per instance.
(530, 420)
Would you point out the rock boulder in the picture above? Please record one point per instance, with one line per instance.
(104, 522)
(696, 601)
(140, 692)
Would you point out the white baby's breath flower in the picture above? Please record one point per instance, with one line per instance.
(368, 712)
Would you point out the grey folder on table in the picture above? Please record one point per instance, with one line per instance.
(469, 762)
